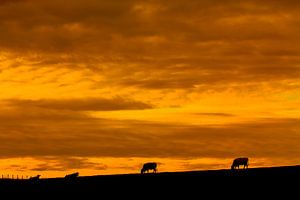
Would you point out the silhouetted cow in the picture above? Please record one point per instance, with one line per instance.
(72, 176)
(239, 161)
(34, 178)
(149, 166)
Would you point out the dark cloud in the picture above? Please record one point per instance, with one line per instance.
(208, 78)
(54, 25)
(84, 136)
(66, 163)
(216, 114)
(61, 27)
(169, 44)
(18, 168)
(10, 1)
(145, 45)
(190, 166)
(92, 104)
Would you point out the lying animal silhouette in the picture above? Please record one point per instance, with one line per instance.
(72, 176)
(149, 166)
(239, 161)
(34, 178)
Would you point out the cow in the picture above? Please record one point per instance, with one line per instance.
(34, 178)
(149, 166)
(72, 176)
(239, 161)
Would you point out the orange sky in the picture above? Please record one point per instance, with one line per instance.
(102, 86)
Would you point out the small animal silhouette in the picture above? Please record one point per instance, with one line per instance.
(34, 178)
(239, 161)
(149, 166)
(72, 176)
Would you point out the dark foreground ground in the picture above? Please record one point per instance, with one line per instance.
(255, 183)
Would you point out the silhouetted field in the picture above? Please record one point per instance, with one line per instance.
(251, 182)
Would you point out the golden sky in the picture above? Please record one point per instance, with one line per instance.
(102, 86)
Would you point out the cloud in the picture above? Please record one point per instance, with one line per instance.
(45, 134)
(216, 114)
(164, 45)
(18, 168)
(89, 104)
(66, 163)
(192, 166)
(95, 25)
(64, 58)
(9, 1)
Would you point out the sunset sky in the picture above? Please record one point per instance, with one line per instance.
(102, 86)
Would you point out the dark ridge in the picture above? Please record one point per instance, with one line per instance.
(265, 181)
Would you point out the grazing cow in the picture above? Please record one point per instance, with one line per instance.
(72, 176)
(239, 161)
(34, 178)
(149, 166)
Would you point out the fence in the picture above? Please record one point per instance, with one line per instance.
(14, 177)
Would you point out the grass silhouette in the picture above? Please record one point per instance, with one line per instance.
(165, 183)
